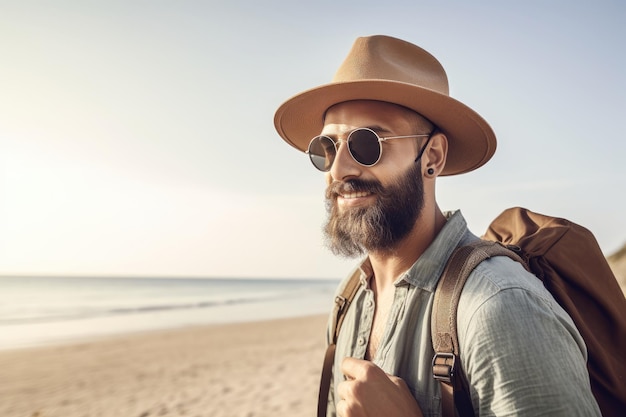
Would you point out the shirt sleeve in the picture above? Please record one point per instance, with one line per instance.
(523, 356)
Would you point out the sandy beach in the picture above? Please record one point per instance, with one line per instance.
(268, 368)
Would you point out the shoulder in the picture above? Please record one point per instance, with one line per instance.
(503, 300)
(513, 334)
(499, 288)
(495, 277)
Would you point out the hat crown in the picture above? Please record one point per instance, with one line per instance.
(385, 58)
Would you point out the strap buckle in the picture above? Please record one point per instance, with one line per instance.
(444, 365)
(340, 302)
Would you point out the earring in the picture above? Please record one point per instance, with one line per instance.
(430, 171)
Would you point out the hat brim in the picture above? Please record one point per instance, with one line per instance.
(471, 141)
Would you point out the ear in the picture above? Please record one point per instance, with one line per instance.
(435, 155)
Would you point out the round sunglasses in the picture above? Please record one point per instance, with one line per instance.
(364, 145)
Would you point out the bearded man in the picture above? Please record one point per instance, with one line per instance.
(382, 131)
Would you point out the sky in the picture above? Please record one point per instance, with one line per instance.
(137, 137)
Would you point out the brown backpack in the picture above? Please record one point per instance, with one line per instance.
(567, 258)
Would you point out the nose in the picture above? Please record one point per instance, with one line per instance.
(344, 166)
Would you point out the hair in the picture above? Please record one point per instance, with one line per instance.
(420, 124)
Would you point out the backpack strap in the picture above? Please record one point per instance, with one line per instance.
(446, 367)
(446, 362)
(342, 302)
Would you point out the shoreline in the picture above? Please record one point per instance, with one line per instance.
(263, 368)
(41, 335)
(46, 311)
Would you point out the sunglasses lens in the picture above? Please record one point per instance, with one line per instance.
(364, 146)
(322, 152)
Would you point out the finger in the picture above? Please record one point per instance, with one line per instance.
(342, 409)
(400, 384)
(354, 368)
(347, 407)
(344, 389)
(397, 381)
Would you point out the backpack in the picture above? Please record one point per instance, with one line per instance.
(567, 258)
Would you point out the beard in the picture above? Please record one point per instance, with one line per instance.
(381, 226)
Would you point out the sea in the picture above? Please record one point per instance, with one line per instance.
(38, 311)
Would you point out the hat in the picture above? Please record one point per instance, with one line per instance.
(387, 69)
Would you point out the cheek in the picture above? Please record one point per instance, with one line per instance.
(400, 155)
(391, 168)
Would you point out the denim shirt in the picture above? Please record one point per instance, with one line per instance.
(520, 350)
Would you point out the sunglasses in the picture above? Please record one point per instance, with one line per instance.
(364, 145)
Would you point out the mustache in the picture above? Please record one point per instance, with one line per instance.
(337, 188)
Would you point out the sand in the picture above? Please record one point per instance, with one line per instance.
(251, 369)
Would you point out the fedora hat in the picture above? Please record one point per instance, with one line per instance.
(387, 69)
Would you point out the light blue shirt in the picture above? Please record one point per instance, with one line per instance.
(521, 352)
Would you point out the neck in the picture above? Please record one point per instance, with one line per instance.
(389, 264)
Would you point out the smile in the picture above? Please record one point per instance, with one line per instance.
(356, 194)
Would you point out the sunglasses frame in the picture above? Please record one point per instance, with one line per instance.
(347, 141)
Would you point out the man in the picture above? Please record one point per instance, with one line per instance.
(383, 131)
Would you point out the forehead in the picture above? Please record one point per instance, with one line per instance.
(387, 117)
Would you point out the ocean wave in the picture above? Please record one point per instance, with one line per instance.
(79, 312)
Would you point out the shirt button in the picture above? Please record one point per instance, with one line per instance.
(369, 303)
(361, 341)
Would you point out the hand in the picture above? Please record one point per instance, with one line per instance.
(370, 392)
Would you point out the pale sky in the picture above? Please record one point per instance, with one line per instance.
(137, 138)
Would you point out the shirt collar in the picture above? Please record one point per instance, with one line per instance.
(426, 271)
(366, 272)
